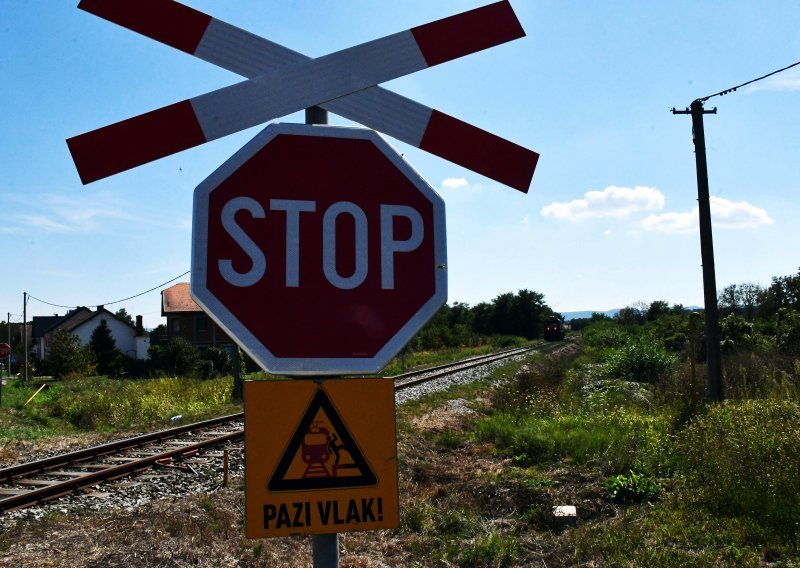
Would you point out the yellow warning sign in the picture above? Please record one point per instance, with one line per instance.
(320, 456)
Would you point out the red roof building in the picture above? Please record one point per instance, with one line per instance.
(188, 320)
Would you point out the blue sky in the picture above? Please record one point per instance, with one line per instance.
(610, 216)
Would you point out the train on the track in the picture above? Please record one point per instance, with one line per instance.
(553, 329)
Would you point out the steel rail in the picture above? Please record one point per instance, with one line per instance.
(484, 361)
(43, 465)
(477, 358)
(48, 466)
(59, 489)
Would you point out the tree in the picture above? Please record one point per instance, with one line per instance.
(67, 356)
(104, 347)
(749, 294)
(123, 314)
(530, 312)
(631, 315)
(656, 310)
(178, 357)
(482, 318)
(728, 300)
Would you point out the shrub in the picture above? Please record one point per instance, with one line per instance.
(745, 458)
(605, 335)
(737, 334)
(788, 331)
(632, 487)
(642, 361)
(68, 358)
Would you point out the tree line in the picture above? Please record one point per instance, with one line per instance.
(752, 318)
(521, 315)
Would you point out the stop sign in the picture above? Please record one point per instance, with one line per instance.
(319, 250)
(5, 349)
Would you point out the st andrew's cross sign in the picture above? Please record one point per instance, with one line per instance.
(283, 81)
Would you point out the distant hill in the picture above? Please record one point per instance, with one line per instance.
(568, 316)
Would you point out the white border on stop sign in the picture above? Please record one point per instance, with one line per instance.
(236, 330)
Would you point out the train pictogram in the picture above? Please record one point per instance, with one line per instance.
(322, 453)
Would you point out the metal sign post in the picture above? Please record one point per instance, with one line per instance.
(324, 547)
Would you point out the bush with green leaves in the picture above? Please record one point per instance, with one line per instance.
(632, 487)
(605, 335)
(643, 360)
(788, 331)
(737, 334)
(177, 358)
(744, 458)
(67, 358)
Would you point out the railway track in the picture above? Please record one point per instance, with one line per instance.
(34, 482)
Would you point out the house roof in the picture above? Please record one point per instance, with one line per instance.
(44, 324)
(101, 313)
(176, 299)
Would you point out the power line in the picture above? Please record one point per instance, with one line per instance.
(32, 297)
(732, 89)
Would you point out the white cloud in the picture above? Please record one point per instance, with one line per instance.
(725, 214)
(671, 222)
(89, 213)
(613, 201)
(44, 223)
(738, 215)
(454, 183)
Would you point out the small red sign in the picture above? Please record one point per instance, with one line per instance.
(5, 350)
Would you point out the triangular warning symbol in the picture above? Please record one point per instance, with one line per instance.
(321, 454)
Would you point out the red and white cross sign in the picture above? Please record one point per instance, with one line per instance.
(282, 81)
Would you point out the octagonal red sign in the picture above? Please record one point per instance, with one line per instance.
(319, 249)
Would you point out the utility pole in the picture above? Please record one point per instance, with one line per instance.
(25, 336)
(713, 356)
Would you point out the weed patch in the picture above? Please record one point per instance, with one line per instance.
(744, 458)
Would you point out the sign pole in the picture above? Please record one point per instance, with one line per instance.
(324, 547)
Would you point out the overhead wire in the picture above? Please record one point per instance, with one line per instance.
(732, 89)
(32, 297)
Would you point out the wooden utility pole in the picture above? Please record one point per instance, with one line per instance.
(713, 356)
(25, 336)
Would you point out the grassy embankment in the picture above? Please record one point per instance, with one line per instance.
(658, 477)
(99, 404)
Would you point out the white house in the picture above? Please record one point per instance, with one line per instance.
(131, 340)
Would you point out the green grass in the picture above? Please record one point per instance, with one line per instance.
(717, 485)
(613, 442)
(744, 458)
(102, 404)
